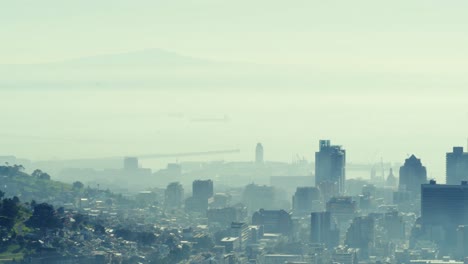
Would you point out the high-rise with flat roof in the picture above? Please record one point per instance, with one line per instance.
(330, 162)
(323, 230)
(202, 189)
(456, 166)
(444, 208)
(273, 221)
(130, 163)
(174, 195)
(444, 205)
(305, 199)
(360, 235)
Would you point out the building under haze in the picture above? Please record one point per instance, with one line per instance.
(330, 162)
(444, 205)
(360, 235)
(323, 230)
(256, 197)
(259, 154)
(305, 199)
(174, 196)
(443, 209)
(131, 163)
(202, 191)
(391, 180)
(456, 166)
(412, 175)
(273, 221)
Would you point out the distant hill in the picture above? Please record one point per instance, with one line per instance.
(14, 182)
(139, 59)
(155, 69)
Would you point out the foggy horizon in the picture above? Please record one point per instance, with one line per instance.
(233, 132)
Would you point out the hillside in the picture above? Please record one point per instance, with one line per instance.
(38, 186)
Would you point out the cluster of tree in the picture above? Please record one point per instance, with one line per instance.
(45, 217)
(40, 175)
(78, 185)
(11, 170)
(9, 212)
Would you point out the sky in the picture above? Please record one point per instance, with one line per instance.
(406, 34)
(411, 55)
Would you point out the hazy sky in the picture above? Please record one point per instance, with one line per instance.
(411, 55)
(399, 35)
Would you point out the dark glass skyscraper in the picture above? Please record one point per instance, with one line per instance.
(412, 175)
(444, 205)
(456, 166)
(202, 189)
(174, 195)
(303, 200)
(323, 230)
(330, 164)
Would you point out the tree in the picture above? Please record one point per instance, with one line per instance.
(40, 175)
(44, 176)
(78, 185)
(36, 173)
(43, 217)
(9, 213)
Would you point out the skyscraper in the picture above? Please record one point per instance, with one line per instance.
(361, 235)
(412, 175)
(391, 179)
(273, 221)
(443, 209)
(444, 205)
(330, 164)
(456, 166)
(259, 153)
(174, 195)
(202, 189)
(130, 163)
(323, 230)
(304, 200)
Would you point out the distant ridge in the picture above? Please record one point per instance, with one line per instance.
(139, 57)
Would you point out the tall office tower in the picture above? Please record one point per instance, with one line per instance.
(444, 205)
(443, 209)
(342, 209)
(456, 166)
(201, 192)
(241, 231)
(394, 225)
(256, 197)
(330, 164)
(174, 195)
(361, 235)
(273, 221)
(202, 189)
(412, 175)
(323, 230)
(462, 242)
(391, 181)
(130, 163)
(259, 154)
(305, 200)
